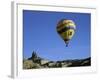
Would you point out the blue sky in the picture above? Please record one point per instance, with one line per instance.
(40, 35)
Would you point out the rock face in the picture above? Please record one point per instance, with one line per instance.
(36, 62)
(27, 64)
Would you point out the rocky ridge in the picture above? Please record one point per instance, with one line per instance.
(36, 62)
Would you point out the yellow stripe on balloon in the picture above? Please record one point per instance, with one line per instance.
(67, 34)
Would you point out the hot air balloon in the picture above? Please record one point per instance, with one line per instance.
(66, 29)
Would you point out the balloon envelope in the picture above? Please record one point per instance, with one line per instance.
(66, 29)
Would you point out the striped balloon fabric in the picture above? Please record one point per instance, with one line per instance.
(66, 29)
